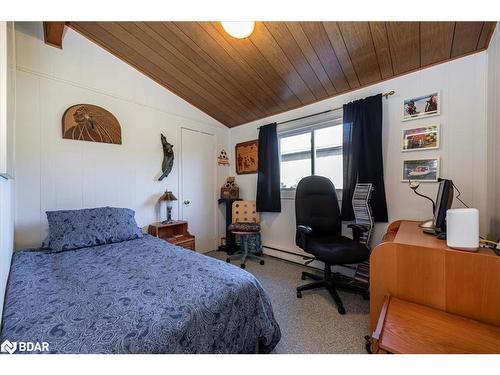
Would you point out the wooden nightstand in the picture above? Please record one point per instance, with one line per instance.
(175, 233)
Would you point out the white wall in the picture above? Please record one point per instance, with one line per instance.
(494, 136)
(7, 97)
(7, 118)
(462, 84)
(55, 173)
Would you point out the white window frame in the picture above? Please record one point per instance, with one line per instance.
(309, 125)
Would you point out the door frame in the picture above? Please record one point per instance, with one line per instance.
(181, 179)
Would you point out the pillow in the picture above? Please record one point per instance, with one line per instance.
(73, 229)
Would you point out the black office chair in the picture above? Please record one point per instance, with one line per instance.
(319, 228)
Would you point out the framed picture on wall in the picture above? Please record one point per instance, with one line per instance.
(422, 170)
(247, 157)
(422, 106)
(423, 138)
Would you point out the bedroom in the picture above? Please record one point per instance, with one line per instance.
(114, 133)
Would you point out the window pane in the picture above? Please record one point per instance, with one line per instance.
(328, 163)
(328, 137)
(295, 159)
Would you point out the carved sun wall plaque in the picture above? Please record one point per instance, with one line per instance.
(88, 122)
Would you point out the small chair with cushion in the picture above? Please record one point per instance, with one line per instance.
(246, 228)
(319, 232)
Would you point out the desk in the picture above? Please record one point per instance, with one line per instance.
(419, 268)
(408, 328)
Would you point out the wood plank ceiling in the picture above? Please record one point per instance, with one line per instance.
(282, 65)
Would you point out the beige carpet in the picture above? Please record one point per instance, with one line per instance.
(310, 324)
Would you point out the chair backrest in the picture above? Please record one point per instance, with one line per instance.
(317, 206)
(363, 215)
(245, 212)
(362, 209)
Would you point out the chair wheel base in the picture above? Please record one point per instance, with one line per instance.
(299, 294)
(303, 277)
(243, 265)
(228, 260)
(261, 262)
(341, 310)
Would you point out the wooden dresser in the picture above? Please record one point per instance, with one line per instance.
(175, 233)
(419, 268)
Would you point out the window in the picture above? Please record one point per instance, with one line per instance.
(315, 150)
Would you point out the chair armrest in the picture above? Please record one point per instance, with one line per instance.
(306, 229)
(301, 239)
(358, 230)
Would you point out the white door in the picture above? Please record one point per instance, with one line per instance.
(198, 201)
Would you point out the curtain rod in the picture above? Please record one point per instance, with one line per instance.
(386, 95)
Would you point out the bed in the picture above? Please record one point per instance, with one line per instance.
(140, 295)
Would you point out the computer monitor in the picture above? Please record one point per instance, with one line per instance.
(444, 200)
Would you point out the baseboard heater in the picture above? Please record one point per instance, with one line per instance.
(299, 259)
(305, 258)
(287, 252)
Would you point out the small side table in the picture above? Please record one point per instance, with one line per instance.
(230, 247)
(175, 232)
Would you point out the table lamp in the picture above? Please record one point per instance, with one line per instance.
(168, 197)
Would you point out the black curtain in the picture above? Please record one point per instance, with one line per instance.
(268, 177)
(362, 154)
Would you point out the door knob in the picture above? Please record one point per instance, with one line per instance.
(186, 202)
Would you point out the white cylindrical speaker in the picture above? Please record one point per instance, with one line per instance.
(462, 228)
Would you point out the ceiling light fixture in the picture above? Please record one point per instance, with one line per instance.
(239, 29)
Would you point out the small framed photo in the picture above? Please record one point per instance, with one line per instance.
(247, 157)
(422, 106)
(424, 138)
(422, 170)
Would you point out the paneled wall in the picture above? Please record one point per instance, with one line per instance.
(55, 173)
(494, 136)
(7, 118)
(462, 84)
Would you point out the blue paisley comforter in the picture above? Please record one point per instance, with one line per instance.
(138, 296)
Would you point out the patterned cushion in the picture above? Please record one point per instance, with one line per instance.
(73, 229)
(244, 227)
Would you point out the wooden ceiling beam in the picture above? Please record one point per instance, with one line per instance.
(404, 45)
(486, 33)
(436, 42)
(466, 37)
(382, 49)
(359, 43)
(340, 49)
(53, 33)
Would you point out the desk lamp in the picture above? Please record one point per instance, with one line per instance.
(428, 223)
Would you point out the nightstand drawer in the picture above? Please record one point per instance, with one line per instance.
(175, 232)
(188, 245)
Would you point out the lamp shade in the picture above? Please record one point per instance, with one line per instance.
(168, 196)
